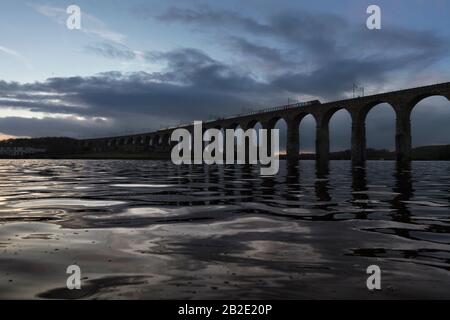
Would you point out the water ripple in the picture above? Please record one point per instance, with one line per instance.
(150, 229)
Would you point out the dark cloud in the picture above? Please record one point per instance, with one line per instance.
(263, 57)
(206, 16)
(330, 53)
(316, 34)
(192, 86)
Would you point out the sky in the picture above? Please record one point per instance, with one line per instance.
(137, 66)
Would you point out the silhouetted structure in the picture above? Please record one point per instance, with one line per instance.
(403, 101)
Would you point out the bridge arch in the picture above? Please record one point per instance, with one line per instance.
(272, 121)
(339, 122)
(165, 140)
(380, 122)
(292, 135)
(233, 126)
(325, 117)
(367, 108)
(156, 140)
(297, 118)
(420, 97)
(360, 115)
(307, 128)
(403, 122)
(255, 124)
(281, 125)
(433, 109)
(250, 124)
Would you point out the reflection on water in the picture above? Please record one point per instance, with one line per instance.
(149, 229)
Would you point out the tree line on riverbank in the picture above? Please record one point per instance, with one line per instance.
(437, 152)
(61, 147)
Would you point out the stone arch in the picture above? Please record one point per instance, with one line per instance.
(365, 110)
(218, 127)
(418, 98)
(233, 126)
(274, 120)
(431, 109)
(292, 137)
(281, 125)
(309, 123)
(249, 124)
(358, 137)
(165, 139)
(298, 117)
(328, 114)
(156, 140)
(389, 119)
(329, 119)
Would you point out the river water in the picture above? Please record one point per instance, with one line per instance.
(153, 230)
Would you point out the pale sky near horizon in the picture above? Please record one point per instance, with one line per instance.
(137, 65)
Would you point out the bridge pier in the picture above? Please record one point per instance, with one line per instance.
(293, 141)
(224, 143)
(322, 143)
(247, 143)
(358, 152)
(403, 135)
(269, 126)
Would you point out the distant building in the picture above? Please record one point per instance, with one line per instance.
(20, 151)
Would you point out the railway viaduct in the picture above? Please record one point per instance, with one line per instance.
(402, 102)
